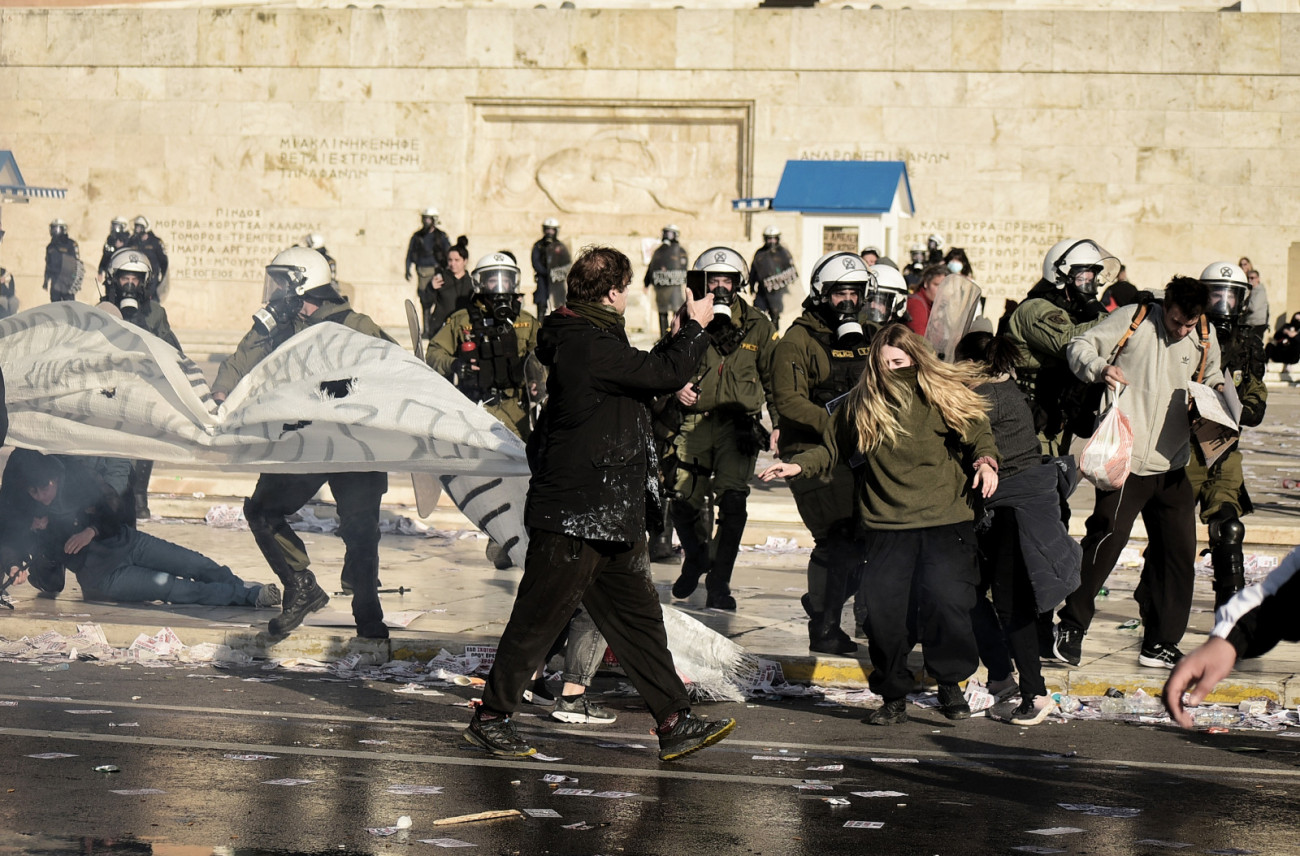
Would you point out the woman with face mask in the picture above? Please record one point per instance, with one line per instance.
(920, 444)
(957, 262)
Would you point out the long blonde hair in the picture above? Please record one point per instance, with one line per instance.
(880, 392)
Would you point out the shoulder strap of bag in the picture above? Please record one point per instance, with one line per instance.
(1205, 348)
(1138, 317)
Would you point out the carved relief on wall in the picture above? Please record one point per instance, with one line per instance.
(639, 162)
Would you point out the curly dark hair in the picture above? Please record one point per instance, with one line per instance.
(598, 271)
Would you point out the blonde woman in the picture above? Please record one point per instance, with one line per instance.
(920, 445)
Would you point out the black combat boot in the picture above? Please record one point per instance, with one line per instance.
(302, 596)
(695, 563)
(731, 528)
(1227, 533)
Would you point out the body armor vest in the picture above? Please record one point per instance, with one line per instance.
(847, 365)
(500, 366)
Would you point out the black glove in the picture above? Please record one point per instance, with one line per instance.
(466, 379)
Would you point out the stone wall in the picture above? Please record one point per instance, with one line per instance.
(1170, 137)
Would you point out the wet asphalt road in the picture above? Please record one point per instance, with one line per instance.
(966, 788)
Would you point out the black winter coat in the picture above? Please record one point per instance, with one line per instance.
(595, 473)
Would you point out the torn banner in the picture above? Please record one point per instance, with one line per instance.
(330, 399)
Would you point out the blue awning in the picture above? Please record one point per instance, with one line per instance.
(14, 189)
(844, 187)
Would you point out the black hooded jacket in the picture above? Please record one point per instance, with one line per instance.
(595, 474)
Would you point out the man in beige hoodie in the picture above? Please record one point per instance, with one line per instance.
(1168, 349)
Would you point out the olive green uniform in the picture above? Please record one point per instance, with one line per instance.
(505, 395)
(718, 446)
(809, 371)
(1221, 489)
(278, 495)
(1041, 327)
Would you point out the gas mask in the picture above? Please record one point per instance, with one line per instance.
(843, 319)
(503, 307)
(723, 298)
(277, 314)
(130, 296)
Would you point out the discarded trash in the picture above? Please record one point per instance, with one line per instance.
(871, 794)
(1055, 830)
(1142, 705)
(1101, 810)
(836, 801)
(557, 779)
(404, 822)
(477, 816)
(1215, 716)
(108, 768)
(1253, 706)
(1066, 703)
(538, 756)
(1131, 624)
(289, 782)
(414, 790)
(250, 757)
(541, 812)
(863, 824)
(467, 681)
(580, 826)
(124, 725)
(61, 667)
(446, 842)
(1104, 592)
(828, 768)
(50, 756)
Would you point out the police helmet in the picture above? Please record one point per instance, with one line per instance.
(129, 260)
(838, 270)
(551, 223)
(671, 232)
(888, 298)
(119, 226)
(496, 273)
(717, 260)
(58, 226)
(772, 232)
(1083, 266)
(141, 224)
(429, 212)
(314, 241)
(1229, 288)
(299, 272)
(936, 241)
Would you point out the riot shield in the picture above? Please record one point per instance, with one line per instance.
(951, 315)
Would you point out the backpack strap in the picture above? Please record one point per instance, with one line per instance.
(1138, 317)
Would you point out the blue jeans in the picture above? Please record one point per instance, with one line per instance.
(146, 568)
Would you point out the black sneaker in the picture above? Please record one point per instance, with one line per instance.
(1067, 645)
(691, 734)
(952, 702)
(890, 713)
(497, 736)
(686, 583)
(835, 642)
(581, 711)
(539, 694)
(1160, 656)
(302, 596)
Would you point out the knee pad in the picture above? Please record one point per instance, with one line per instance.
(1227, 531)
(732, 504)
(254, 516)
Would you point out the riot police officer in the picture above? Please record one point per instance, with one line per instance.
(118, 234)
(427, 253)
(551, 262)
(127, 287)
(773, 272)
(667, 275)
(1221, 489)
(1059, 307)
(143, 238)
(819, 359)
(298, 294)
(721, 433)
(316, 241)
(63, 270)
(483, 348)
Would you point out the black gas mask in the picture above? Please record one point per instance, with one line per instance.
(723, 297)
(130, 296)
(502, 307)
(277, 314)
(843, 318)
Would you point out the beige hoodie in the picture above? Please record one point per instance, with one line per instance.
(1158, 372)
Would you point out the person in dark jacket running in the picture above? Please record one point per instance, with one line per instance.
(593, 488)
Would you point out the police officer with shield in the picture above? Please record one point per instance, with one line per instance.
(1220, 488)
(63, 269)
(551, 263)
(818, 360)
(298, 294)
(721, 434)
(773, 272)
(667, 276)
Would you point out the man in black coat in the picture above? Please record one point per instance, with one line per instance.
(590, 502)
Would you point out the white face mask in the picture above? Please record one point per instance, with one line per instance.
(954, 266)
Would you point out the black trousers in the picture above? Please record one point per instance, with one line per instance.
(919, 586)
(357, 495)
(1003, 565)
(612, 580)
(1164, 595)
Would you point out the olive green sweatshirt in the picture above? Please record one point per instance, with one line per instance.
(923, 480)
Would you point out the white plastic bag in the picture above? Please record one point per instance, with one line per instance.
(1106, 457)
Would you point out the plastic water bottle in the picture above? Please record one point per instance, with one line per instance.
(1211, 716)
(1066, 703)
(1142, 705)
